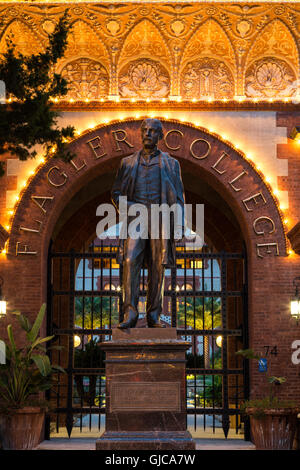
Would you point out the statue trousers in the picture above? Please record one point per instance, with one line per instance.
(134, 253)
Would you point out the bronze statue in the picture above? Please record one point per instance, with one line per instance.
(147, 177)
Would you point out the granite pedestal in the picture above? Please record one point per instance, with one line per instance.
(145, 391)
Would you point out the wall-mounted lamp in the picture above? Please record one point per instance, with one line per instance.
(2, 301)
(219, 341)
(295, 301)
(295, 134)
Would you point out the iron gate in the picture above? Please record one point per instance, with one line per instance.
(205, 299)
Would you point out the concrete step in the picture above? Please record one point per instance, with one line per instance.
(90, 444)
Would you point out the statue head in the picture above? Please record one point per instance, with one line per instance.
(152, 132)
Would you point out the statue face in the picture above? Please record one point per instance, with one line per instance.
(151, 132)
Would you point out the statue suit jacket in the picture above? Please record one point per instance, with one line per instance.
(171, 192)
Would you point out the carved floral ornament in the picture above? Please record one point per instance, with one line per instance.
(207, 78)
(270, 77)
(87, 79)
(144, 78)
(232, 170)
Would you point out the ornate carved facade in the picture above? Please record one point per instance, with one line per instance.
(153, 51)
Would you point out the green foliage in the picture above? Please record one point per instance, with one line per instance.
(94, 312)
(270, 401)
(29, 119)
(259, 406)
(27, 370)
(248, 354)
(203, 318)
(276, 380)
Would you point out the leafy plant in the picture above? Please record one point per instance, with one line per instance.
(27, 370)
(31, 85)
(270, 401)
(94, 312)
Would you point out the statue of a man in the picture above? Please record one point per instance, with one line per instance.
(149, 177)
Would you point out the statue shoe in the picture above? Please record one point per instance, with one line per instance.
(153, 321)
(130, 320)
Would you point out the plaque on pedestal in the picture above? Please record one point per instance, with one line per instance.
(145, 391)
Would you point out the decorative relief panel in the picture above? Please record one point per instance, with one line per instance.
(270, 78)
(144, 78)
(206, 78)
(274, 40)
(210, 40)
(87, 79)
(84, 41)
(144, 40)
(25, 40)
(215, 43)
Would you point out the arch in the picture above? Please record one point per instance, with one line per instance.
(143, 63)
(26, 41)
(272, 63)
(209, 40)
(83, 41)
(144, 40)
(274, 40)
(224, 168)
(208, 65)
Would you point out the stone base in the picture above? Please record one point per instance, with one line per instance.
(152, 440)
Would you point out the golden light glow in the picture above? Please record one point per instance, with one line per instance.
(77, 341)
